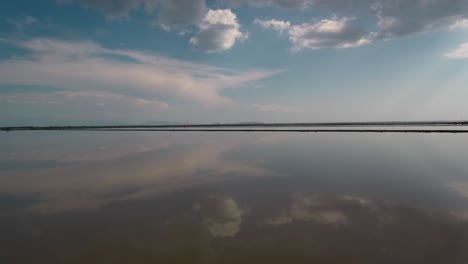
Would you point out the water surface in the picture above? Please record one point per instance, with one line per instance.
(189, 197)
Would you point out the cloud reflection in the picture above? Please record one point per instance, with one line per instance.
(222, 215)
(134, 174)
(317, 209)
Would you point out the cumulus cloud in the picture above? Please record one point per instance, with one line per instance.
(222, 215)
(400, 17)
(327, 33)
(393, 18)
(85, 65)
(340, 33)
(219, 31)
(459, 53)
(334, 33)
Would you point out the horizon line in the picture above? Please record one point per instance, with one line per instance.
(182, 126)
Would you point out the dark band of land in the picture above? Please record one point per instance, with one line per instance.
(268, 127)
(425, 131)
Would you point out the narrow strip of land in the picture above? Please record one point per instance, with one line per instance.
(246, 126)
(423, 131)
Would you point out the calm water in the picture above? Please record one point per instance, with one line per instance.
(147, 197)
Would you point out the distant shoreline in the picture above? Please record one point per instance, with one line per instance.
(265, 127)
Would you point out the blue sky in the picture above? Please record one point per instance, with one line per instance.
(136, 61)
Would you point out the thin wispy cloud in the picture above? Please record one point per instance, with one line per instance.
(85, 65)
(21, 22)
(460, 53)
(85, 99)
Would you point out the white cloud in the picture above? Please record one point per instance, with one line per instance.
(219, 31)
(85, 65)
(334, 33)
(274, 24)
(460, 53)
(327, 33)
(394, 18)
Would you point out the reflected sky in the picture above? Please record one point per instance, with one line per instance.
(146, 197)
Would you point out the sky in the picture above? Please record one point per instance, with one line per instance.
(196, 61)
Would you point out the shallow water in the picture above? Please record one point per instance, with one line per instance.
(189, 197)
